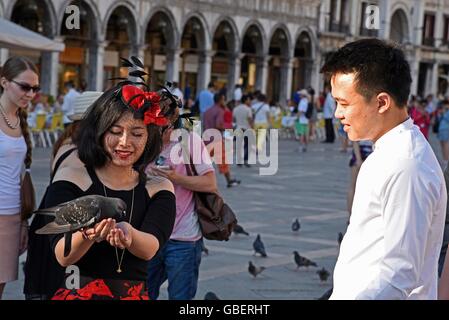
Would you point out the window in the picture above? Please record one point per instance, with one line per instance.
(446, 30)
(428, 29)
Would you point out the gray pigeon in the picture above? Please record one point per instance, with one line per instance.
(211, 296)
(80, 213)
(296, 225)
(340, 238)
(259, 247)
(323, 274)
(253, 270)
(204, 249)
(303, 261)
(238, 229)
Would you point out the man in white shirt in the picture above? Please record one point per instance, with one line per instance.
(238, 93)
(69, 100)
(177, 92)
(243, 118)
(391, 247)
(328, 115)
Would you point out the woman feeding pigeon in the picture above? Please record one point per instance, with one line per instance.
(117, 138)
(19, 83)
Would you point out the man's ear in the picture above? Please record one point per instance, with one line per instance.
(3, 82)
(384, 102)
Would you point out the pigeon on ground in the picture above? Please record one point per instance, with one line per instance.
(80, 213)
(259, 247)
(303, 261)
(253, 270)
(326, 295)
(296, 225)
(238, 229)
(204, 249)
(324, 274)
(340, 238)
(211, 296)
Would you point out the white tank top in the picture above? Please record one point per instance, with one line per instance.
(12, 154)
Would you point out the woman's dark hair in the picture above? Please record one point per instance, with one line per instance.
(100, 117)
(11, 69)
(378, 66)
(69, 133)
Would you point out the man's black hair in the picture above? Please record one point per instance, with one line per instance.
(379, 67)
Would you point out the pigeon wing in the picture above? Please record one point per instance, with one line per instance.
(54, 228)
(78, 212)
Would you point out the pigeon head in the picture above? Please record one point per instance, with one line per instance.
(114, 208)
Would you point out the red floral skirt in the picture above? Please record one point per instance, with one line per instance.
(104, 289)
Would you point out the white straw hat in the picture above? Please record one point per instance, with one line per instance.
(82, 103)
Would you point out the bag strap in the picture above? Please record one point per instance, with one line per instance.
(59, 162)
(262, 104)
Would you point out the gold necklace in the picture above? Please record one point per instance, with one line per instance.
(8, 122)
(119, 261)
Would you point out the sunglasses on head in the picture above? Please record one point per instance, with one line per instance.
(26, 87)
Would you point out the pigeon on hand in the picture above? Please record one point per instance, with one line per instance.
(211, 296)
(340, 238)
(259, 247)
(303, 261)
(80, 213)
(324, 274)
(238, 229)
(253, 270)
(296, 225)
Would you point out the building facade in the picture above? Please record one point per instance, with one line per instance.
(276, 46)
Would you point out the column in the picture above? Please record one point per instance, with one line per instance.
(354, 26)
(439, 28)
(4, 55)
(262, 73)
(49, 78)
(286, 80)
(414, 69)
(418, 21)
(385, 17)
(434, 79)
(172, 65)
(316, 76)
(204, 69)
(96, 66)
(234, 67)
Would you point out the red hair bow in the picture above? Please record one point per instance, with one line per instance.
(136, 98)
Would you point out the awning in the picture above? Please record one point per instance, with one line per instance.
(13, 36)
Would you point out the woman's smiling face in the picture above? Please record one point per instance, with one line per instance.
(125, 141)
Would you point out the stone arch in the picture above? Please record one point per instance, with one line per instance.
(205, 27)
(171, 19)
(283, 28)
(399, 26)
(133, 29)
(234, 31)
(50, 18)
(255, 23)
(93, 13)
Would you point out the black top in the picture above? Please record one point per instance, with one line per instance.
(155, 216)
(43, 274)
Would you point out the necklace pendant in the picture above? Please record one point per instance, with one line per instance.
(119, 270)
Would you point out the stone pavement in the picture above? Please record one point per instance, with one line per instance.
(311, 186)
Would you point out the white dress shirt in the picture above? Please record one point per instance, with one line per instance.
(391, 247)
(329, 107)
(67, 106)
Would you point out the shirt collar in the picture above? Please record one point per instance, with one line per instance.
(389, 135)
